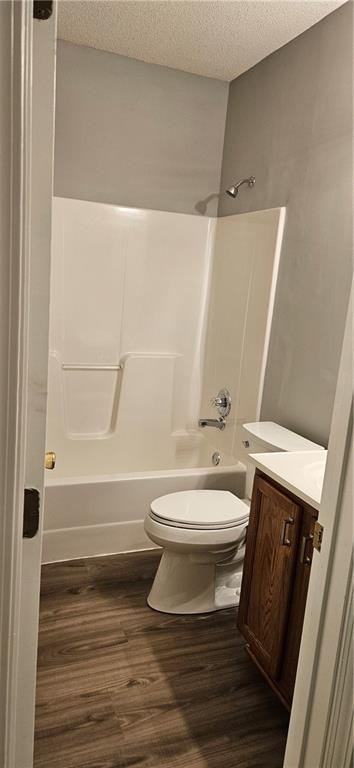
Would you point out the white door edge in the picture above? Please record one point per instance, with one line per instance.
(14, 441)
(315, 718)
(26, 211)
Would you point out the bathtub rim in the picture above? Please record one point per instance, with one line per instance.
(65, 480)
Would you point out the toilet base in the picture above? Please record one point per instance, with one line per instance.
(185, 584)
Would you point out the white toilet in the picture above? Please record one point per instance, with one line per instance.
(203, 534)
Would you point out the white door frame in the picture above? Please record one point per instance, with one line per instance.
(14, 357)
(306, 733)
(26, 138)
(320, 730)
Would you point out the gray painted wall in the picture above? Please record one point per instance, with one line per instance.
(137, 134)
(289, 122)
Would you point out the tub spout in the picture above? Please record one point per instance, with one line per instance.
(217, 423)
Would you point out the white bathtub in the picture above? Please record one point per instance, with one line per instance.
(87, 516)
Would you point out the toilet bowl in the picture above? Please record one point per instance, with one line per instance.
(203, 534)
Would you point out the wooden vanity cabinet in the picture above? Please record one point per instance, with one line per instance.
(275, 582)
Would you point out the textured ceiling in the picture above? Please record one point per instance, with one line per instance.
(216, 38)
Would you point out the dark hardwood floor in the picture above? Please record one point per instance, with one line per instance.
(121, 686)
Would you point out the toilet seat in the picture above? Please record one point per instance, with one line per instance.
(200, 510)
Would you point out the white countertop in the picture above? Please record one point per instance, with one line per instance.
(301, 472)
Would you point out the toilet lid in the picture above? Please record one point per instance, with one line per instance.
(200, 509)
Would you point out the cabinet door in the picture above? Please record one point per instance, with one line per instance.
(270, 558)
(298, 604)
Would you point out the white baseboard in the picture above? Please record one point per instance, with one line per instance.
(94, 540)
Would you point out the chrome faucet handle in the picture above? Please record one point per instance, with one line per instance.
(222, 402)
(218, 402)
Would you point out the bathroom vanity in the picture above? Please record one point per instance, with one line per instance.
(275, 580)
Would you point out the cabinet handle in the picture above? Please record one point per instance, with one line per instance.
(284, 538)
(304, 558)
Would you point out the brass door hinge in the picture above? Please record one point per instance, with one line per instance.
(317, 536)
(49, 460)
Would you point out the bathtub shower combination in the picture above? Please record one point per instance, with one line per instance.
(152, 313)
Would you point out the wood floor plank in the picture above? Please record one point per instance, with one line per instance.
(115, 569)
(77, 730)
(122, 686)
(70, 575)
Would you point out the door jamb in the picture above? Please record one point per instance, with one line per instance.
(321, 652)
(15, 359)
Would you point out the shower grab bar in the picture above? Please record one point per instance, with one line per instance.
(82, 367)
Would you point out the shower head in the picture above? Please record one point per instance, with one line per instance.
(233, 190)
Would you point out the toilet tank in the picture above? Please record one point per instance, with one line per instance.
(267, 437)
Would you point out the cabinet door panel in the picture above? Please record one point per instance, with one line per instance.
(272, 541)
(298, 604)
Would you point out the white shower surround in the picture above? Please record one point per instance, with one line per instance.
(132, 295)
(129, 287)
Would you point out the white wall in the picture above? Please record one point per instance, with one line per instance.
(290, 122)
(245, 266)
(132, 133)
(129, 286)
